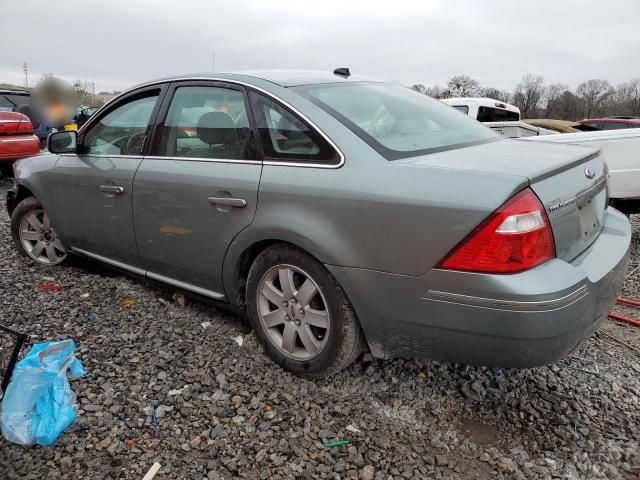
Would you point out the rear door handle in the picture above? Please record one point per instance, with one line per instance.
(111, 189)
(228, 202)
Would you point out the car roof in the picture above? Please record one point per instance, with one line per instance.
(284, 78)
(7, 91)
(611, 119)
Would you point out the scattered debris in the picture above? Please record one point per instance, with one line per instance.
(130, 442)
(180, 299)
(50, 287)
(205, 325)
(128, 302)
(152, 471)
(177, 391)
(422, 375)
(163, 301)
(342, 442)
(239, 340)
(84, 295)
(154, 414)
(353, 429)
(92, 317)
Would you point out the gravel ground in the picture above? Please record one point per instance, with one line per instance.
(225, 411)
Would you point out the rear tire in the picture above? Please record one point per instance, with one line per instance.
(33, 234)
(307, 325)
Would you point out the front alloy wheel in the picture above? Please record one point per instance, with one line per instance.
(34, 235)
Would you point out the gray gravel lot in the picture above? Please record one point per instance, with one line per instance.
(226, 411)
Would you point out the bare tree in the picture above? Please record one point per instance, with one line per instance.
(528, 94)
(554, 91)
(463, 86)
(418, 87)
(436, 92)
(627, 98)
(592, 93)
(491, 92)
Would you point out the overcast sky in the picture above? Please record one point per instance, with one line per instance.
(119, 43)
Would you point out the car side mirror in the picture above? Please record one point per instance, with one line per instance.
(65, 141)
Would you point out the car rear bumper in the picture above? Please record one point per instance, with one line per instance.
(13, 147)
(521, 320)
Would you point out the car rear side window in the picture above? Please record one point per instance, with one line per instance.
(286, 137)
(489, 114)
(396, 121)
(122, 131)
(462, 108)
(615, 125)
(207, 122)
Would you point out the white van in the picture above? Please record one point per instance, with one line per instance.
(485, 109)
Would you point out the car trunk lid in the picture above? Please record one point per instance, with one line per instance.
(569, 180)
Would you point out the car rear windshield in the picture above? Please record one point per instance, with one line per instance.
(396, 121)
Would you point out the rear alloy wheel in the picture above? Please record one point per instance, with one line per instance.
(300, 314)
(33, 234)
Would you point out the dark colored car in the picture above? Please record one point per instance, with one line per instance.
(16, 140)
(611, 123)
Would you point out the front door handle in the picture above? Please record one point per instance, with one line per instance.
(228, 202)
(111, 189)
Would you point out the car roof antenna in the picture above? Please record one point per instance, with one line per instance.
(342, 71)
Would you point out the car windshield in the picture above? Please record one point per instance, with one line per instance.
(396, 121)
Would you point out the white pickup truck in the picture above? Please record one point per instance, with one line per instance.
(502, 117)
(621, 150)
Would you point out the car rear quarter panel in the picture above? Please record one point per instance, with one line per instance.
(370, 213)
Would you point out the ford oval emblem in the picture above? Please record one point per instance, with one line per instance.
(590, 172)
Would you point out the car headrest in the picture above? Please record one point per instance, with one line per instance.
(216, 128)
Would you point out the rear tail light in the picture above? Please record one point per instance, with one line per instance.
(16, 124)
(514, 238)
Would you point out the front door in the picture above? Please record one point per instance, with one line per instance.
(200, 186)
(91, 205)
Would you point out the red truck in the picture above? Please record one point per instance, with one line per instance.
(16, 140)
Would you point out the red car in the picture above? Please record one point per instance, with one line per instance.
(611, 123)
(16, 140)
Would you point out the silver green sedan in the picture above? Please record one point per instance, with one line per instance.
(340, 213)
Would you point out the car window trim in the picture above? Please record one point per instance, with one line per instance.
(252, 87)
(172, 86)
(116, 103)
(305, 121)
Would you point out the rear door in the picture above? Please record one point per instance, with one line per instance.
(91, 205)
(199, 186)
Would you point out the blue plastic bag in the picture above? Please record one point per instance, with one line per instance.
(39, 404)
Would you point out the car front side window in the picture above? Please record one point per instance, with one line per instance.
(122, 131)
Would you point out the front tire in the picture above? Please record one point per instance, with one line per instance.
(300, 314)
(33, 234)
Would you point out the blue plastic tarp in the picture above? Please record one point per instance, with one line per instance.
(39, 403)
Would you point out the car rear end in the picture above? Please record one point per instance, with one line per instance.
(522, 288)
(521, 256)
(16, 138)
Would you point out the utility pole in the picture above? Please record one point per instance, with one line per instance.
(213, 60)
(25, 67)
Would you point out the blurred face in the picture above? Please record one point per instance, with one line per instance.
(55, 99)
